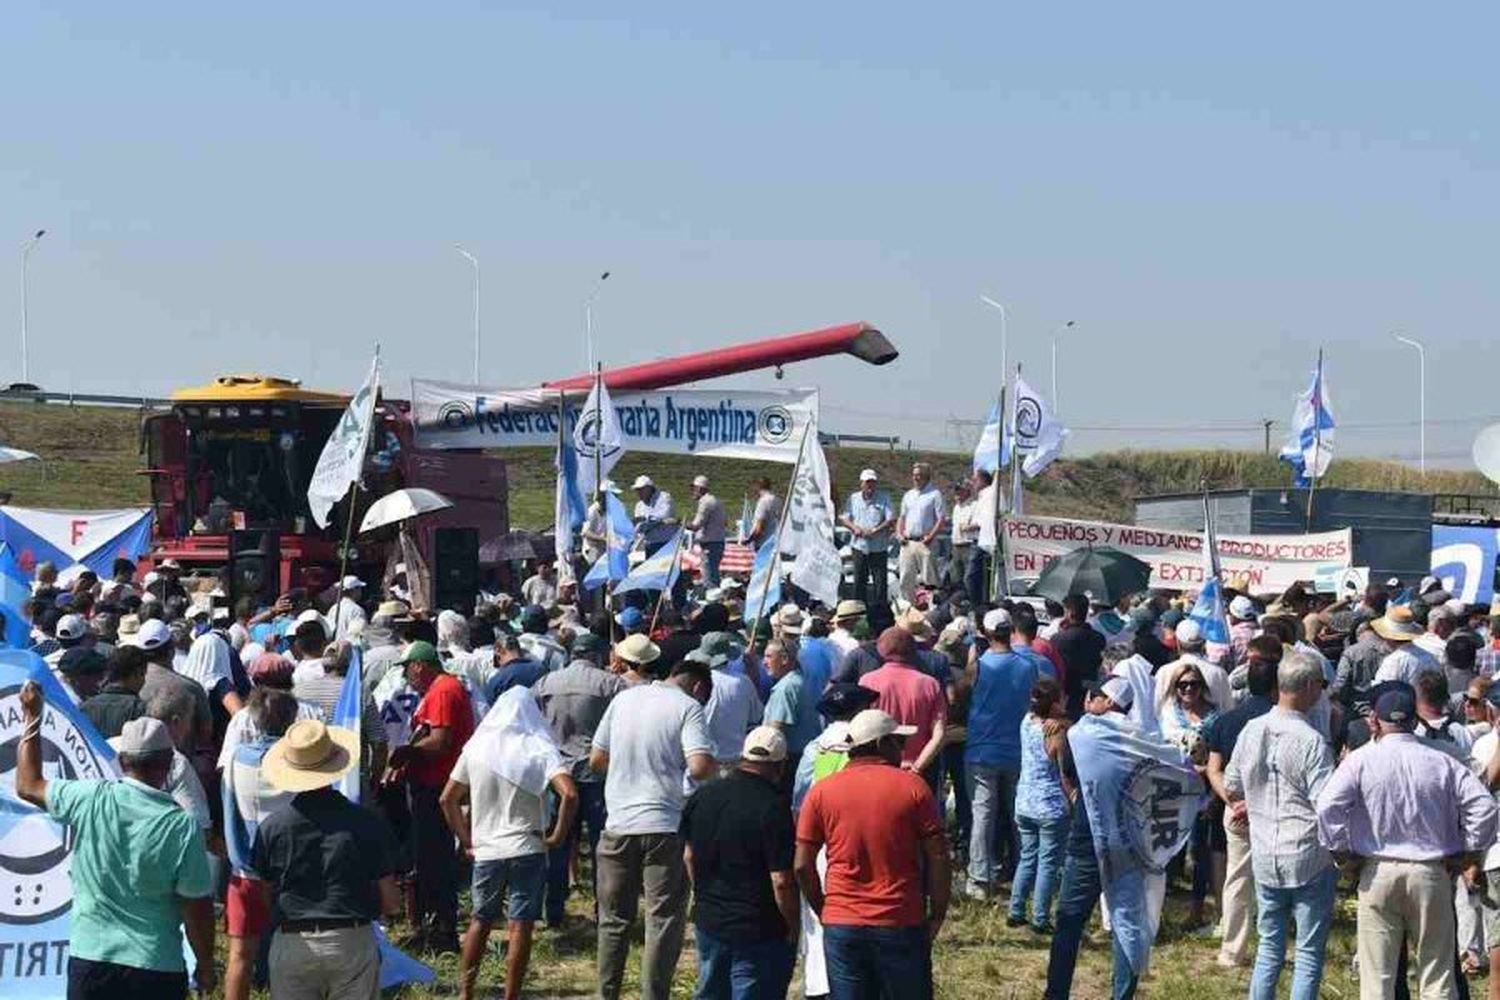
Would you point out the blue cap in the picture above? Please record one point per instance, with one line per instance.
(1397, 704)
(630, 619)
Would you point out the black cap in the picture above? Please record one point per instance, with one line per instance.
(1396, 704)
(844, 701)
(79, 662)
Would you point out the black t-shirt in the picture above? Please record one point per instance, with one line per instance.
(1082, 650)
(1223, 732)
(324, 855)
(740, 830)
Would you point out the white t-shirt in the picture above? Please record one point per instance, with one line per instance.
(1479, 758)
(241, 729)
(506, 820)
(649, 731)
(307, 670)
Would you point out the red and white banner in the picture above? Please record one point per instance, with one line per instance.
(1260, 563)
(738, 559)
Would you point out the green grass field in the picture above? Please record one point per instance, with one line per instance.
(976, 956)
(92, 458)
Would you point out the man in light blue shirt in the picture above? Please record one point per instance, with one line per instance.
(793, 705)
(918, 524)
(869, 518)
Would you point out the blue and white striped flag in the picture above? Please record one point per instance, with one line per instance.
(615, 563)
(992, 453)
(659, 571)
(1208, 612)
(764, 573)
(348, 715)
(1309, 448)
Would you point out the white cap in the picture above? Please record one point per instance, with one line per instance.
(872, 724)
(169, 564)
(868, 476)
(1189, 631)
(1242, 608)
(730, 585)
(153, 634)
(151, 579)
(701, 482)
(764, 743)
(72, 627)
(835, 737)
(311, 615)
(1119, 691)
(995, 619)
(609, 486)
(351, 582)
(143, 735)
(1428, 583)
(641, 482)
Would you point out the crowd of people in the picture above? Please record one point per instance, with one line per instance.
(809, 788)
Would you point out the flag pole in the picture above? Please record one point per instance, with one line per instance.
(786, 507)
(1016, 499)
(1317, 404)
(364, 447)
(997, 573)
(599, 497)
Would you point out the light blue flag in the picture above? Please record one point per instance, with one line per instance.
(614, 565)
(992, 453)
(1209, 612)
(1142, 796)
(659, 571)
(34, 848)
(14, 593)
(1309, 447)
(568, 508)
(766, 569)
(395, 966)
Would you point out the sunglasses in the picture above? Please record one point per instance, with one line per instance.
(1189, 685)
(1472, 700)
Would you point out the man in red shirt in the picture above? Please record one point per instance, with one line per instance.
(441, 725)
(881, 828)
(912, 698)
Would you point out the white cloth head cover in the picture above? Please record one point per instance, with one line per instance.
(452, 632)
(516, 743)
(208, 662)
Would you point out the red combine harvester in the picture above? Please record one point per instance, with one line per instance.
(230, 463)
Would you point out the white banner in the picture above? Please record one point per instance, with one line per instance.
(808, 536)
(722, 423)
(1270, 563)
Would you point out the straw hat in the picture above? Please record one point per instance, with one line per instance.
(848, 609)
(1398, 625)
(311, 755)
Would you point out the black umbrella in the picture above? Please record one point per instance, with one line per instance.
(1106, 575)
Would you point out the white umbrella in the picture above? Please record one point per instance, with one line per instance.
(17, 455)
(400, 505)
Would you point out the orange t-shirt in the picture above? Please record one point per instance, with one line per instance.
(873, 818)
(446, 704)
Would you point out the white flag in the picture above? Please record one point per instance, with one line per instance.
(1038, 432)
(343, 454)
(597, 438)
(808, 536)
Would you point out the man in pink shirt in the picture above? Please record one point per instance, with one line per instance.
(912, 698)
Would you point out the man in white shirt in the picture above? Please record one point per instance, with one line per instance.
(648, 737)
(918, 523)
(707, 526)
(766, 514)
(1440, 625)
(655, 516)
(541, 587)
(846, 616)
(1406, 659)
(348, 616)
(965, 533)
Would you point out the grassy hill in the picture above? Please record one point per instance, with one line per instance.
(91, 456)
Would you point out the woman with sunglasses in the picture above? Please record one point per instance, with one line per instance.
(1189, 710)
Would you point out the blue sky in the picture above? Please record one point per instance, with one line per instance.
(1210, 194)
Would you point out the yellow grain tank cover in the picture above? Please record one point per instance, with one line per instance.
(256, 388)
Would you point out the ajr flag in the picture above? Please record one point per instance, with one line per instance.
(1037, 432)
(343, 454)
(808, 535)
(1142, 796)
(597, 438)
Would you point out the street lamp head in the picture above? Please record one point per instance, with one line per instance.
(604, 276)
(39, 234)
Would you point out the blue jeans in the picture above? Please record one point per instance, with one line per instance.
(1311, 905)
(729, 970)
(878, 963)
(1040, 867)
(977, 576)
(993, 845)
(713, 555)
(590, 811)
(1075, 904)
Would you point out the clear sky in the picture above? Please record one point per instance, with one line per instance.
(1208, 192)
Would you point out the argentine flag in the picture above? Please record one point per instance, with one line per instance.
(763, 573)
(659, 571)
(14, 593)
(1309, 448)
(1209, 611)
(615, 563)
(992, 453)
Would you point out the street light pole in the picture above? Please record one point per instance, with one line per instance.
(1004, 335)
(588, 318)
(1055, 407)
(26, 249)
(474, 261)
(1421, 402)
